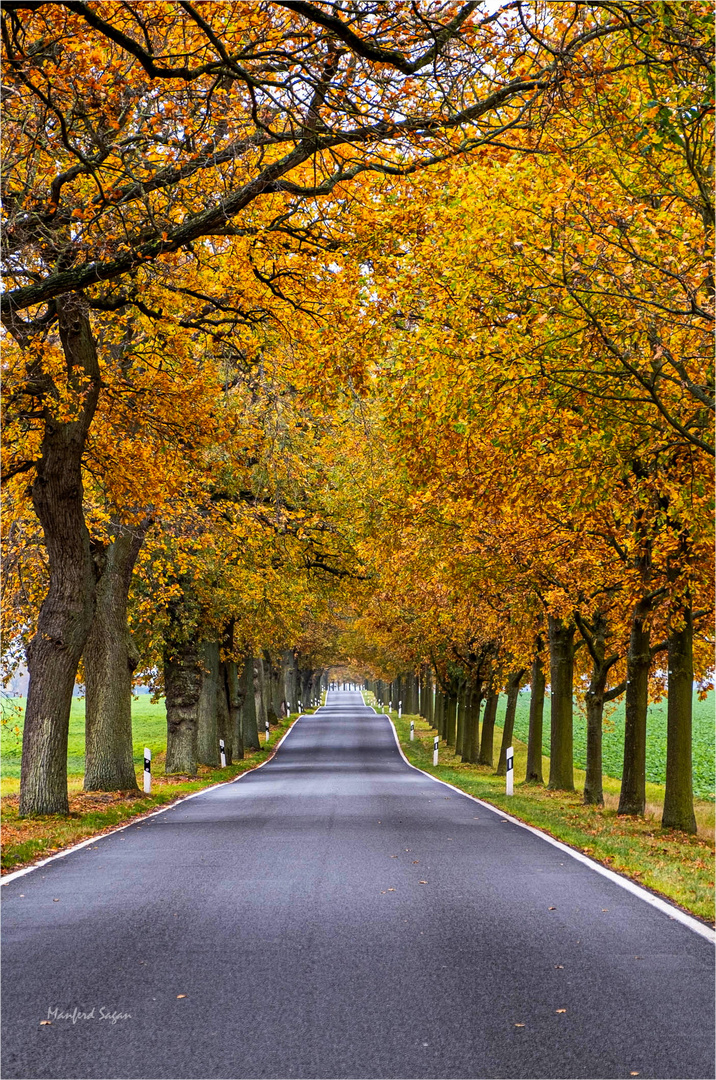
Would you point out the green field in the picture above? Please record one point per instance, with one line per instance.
(149, 728)
(613, 742)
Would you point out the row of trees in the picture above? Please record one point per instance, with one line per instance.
(376, 333)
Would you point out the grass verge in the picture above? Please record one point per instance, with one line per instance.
(27, 840)
(670, 863)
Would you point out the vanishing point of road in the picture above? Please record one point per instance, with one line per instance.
(337, 913)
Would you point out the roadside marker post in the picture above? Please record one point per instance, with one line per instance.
(147, 770)
(510, 774)
(267, 731)
(400, 709)
(412, 730)
(222, 753)
(436, 744)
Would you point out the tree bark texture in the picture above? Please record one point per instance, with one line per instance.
(249, 711)
(561, 653)
(208, 727)
(534, 742)
(488, 728)
(632, 797)
(679, 796)
(67, 611)
(110, 658)
(182, 686)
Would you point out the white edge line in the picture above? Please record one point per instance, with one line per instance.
(661, 905)
(7, 878)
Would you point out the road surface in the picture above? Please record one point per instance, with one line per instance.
(339, 914)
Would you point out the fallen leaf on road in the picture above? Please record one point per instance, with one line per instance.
(422, 883)
(181, 995)
(416, 862)
(391, 890)
(559, 966)
(551, 909)
(605, 909)
(560, 1010)
(43, 1022)
(394, 856)
(633, 1073)
(55, 899)
(519, 1025)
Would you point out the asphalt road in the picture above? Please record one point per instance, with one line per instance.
(338, 914)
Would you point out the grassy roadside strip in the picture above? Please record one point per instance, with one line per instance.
(28, 840)
(671, 864)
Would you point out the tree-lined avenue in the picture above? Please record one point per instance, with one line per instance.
(338, 914)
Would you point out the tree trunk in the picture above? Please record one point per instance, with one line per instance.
(594, 704)
(208, 725)
(632, 797)
(488, 728)
(182, 686)
(67, 611)
(473, 724)
(450, 717)
(460, 720)
(110, 657)
(513, 690)
(249, 711)
(679, 797)
(440, 712)
(534, 744)
(561, 652)
(235, 696)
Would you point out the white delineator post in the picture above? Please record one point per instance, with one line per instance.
(436, 744)
(510, 774)
(267, 731)
(222, 753)
(412, 730)
(147, 770)
(400, 709)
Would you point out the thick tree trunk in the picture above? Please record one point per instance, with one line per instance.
(110, 658)
(208, 725)
(450, 717)
(262, 693)
(488, 728)
(513, 690)
(249, 711)
(235, 697)
(534, 743)
(679, 797)
(440, 712)
(68, 609)
(632, 797)
(561, 652)
(460, 720)
(182, 686)
(594, 704)
(472, 745)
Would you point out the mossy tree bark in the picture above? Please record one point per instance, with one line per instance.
(488, 728)
(67, 611)
(183, 679)
(513, 689)
(235, 697)
(110, 658)
(561, 654)
(632, 797)
(534, 741)
(450, 716)
(249, 712)
(208, 720)
(679, 796)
